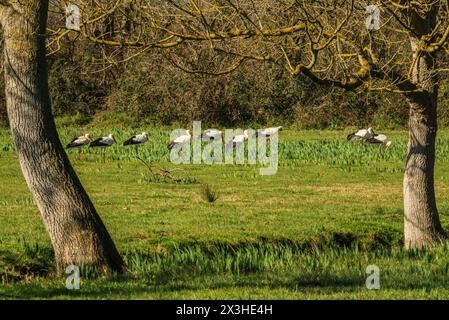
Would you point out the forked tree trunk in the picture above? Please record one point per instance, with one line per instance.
(76, 231)
(422, 225)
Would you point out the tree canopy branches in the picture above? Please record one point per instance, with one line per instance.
(325, 40)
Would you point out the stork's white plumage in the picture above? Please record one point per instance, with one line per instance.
(238, 139)
(80, 141)
(241, 137)
(103, 141)
(268, 131)
(380, 139)
(180, 140)
(211, 134)
(361, 134)
(137, 139)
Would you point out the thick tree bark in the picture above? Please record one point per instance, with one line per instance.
(421, 221)
(76, 231)
(422, 225)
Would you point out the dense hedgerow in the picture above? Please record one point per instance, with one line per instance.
(148, 89)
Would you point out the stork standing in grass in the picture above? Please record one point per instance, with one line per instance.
(185, 138)
(238, 140)
(209, 134)
(381, 140)
(137, 140)
(360, 135)
(103, 143)
(268, 132)
(79, 143)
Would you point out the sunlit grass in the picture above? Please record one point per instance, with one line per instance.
(309, 231)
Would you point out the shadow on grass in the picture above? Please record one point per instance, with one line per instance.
(133, 287)
(139, 289)
(263, 264)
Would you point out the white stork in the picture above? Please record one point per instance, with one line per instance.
(209, 134)
(238, 139)
(363, 134)
(180, 140)
(380, 139)
(137, 140)
(79, 142)
(268, 132)
(103, 142)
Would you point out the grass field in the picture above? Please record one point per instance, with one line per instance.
(307, 232)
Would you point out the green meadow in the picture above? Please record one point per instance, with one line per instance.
(226, 232)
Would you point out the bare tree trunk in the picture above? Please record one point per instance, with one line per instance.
(422, 225)
(76, 231)
(421, 221)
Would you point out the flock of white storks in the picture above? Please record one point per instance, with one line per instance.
(366, 135)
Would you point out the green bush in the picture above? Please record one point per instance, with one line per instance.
(150, 90)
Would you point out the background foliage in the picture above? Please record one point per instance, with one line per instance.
(149, 89)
